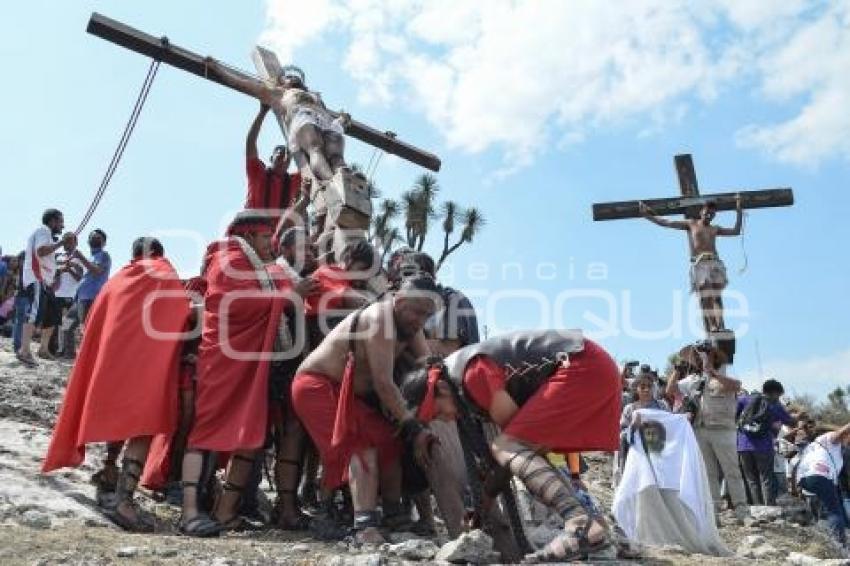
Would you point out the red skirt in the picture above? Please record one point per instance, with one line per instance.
(576, 410)
(315, 399)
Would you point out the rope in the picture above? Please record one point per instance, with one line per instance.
(369, 164)
(743, 268)
(375, 167)
(122, 144)
(478, 458)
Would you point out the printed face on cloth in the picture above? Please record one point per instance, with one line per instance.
(654, 436)
(663, 496)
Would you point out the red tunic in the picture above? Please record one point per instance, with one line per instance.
(240, 327)
(341, 424)
(576, 410)
(269, 190)
(124, 382)
(333, 283)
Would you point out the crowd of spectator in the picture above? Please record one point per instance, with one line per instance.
(47, 289)
(757, 447)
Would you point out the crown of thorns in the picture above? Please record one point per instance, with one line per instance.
(291, 71)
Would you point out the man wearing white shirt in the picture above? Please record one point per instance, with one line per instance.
(39, 278)
(69, 276)
(818, 471)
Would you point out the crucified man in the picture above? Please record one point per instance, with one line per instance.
(310, 126)
(708, 273)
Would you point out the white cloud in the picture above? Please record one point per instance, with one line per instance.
(522, 76)
(291, 24)
(816, 375)
(813, 63)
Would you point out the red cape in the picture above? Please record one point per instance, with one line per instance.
(160, 455)
(124, 382)
(231, 401)
(333, 283)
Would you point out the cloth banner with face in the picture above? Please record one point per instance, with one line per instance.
(664, 497)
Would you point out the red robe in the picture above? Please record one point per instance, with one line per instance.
(333, 283)
(268, 190)
(576, 410)
(240, 327)
(124, 382)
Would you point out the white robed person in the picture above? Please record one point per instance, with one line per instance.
(664, 497)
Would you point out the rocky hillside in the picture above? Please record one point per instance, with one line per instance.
(53, 520)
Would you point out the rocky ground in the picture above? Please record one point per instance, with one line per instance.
(53, 519)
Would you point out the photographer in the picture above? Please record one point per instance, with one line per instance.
(710, 400)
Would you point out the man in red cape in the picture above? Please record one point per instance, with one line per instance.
(549, 391)
(243, 327)
(343, 385)
(124, 383)
(162, 470)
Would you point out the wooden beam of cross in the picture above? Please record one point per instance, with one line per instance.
(163, 50)
(691, 200)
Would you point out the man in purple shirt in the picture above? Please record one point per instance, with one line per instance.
(755, 443)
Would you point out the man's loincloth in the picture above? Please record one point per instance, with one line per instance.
(316, 400)
(707, 272)
(303, 116)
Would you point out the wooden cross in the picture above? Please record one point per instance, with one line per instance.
(689, 204)
(163, 50)
(691, 200)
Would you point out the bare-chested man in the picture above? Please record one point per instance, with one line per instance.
(708, 274)
(344, 388)
(310, 126)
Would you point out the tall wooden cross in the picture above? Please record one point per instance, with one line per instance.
(165, 51)
(689, 204)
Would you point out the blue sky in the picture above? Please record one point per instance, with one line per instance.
(537, 111)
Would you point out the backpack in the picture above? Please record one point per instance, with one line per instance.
(755, 418)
